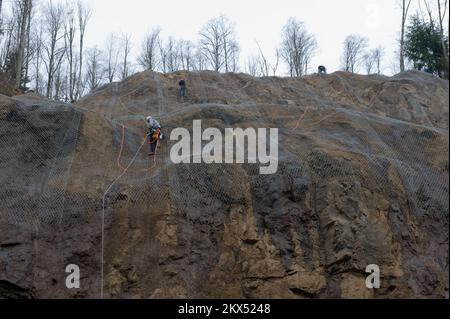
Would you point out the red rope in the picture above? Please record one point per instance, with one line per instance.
(300, 120)
(119, 158)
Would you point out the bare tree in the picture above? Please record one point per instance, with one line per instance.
(186, 52)
(60, 86)
(211, 44)
(148, 58)
(112, 62)
(230, 44)
(354, 46)
(369, 62)
(1, 18)
(172, 55)
(95, 70)
(429, 10)
(253, 66)
(219, 45)
(162, 56)
(200, 61)
(8, 49)
(233, 57)
(372, 60)
(23, 8)
(84, 14)
(29, 48)
(259, 65)
(298, 47)
(277, 62)
(405, 9)
(263, 63)
(70, 33)
(37, 58)
(126, 45)
(378, 54)
(442, 12)
(54, 35)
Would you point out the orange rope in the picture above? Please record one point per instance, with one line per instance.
(119, 158)
(300, 120)
(324, 119)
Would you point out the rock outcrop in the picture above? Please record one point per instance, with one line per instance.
(362, 179)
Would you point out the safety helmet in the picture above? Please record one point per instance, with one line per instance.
(149, 118)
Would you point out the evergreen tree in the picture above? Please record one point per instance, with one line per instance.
(423, 46)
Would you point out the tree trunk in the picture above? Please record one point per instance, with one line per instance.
(80, 70)
(22, 42)
(444, 45)
(70, 36)
(402, 56)
(37, 68)
(27, 63)
(225, 50)
(405, 10)
(50, 78)
(1, 3)
(84, 15)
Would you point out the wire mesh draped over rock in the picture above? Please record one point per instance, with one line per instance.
(362, 179)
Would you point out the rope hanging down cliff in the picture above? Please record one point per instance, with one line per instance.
(125, 170)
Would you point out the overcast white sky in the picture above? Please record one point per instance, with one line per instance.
(330, 20)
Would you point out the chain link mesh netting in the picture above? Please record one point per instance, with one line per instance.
(320, 143)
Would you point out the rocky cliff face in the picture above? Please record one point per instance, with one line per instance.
(362, 179)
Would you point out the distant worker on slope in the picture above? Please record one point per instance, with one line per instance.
(322, 70)
(154, 134)
(182, 85)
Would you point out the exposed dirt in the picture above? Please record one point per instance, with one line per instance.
(362, 179)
